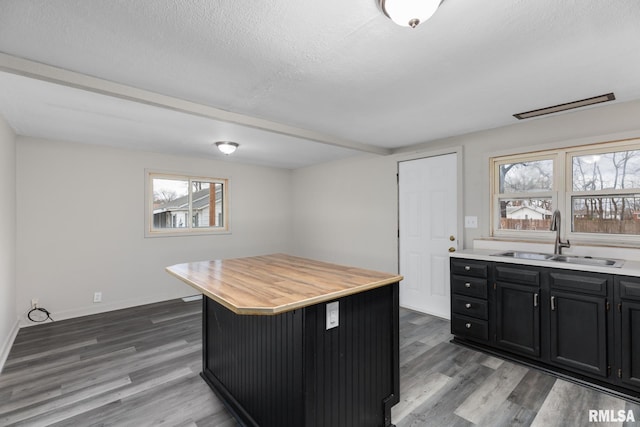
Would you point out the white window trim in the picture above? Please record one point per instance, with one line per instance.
(595, 238)
(149, 231)
(562, 193)
(495, 162)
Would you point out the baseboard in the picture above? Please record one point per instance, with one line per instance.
(99, 308)
(5, 348)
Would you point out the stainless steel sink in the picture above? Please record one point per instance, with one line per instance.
(525, 255)
(569, 259)
(586, 260)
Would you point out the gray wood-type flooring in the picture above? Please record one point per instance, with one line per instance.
(140, 367)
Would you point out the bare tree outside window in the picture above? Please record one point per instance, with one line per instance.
(528, 208)
(596, 187)
(610, 179)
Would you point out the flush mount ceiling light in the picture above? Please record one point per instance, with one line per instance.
(567, 106)
(227, 147)
(409, 13)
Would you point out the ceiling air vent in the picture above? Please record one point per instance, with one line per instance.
(564, 107)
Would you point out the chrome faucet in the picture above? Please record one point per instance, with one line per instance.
(555, 226)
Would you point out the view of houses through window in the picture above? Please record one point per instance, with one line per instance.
(597, 189)
(187, 203)
(526, 188)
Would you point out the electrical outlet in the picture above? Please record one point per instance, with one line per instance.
(470, 222)
(34, 303)
(333, 315)
(97, 297)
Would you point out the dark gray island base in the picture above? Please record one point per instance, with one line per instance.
(289, 370)
(278, 352)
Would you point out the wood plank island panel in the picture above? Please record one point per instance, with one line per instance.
(277, 283)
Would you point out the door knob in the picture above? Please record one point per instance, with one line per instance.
(452, 249)
(452, 238)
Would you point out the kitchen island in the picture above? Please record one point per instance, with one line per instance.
(289, 341)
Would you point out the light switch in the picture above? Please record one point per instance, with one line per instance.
(333, 314)
(470, 222)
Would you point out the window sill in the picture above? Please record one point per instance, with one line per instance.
(155, 234)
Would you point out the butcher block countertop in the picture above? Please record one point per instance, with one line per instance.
(273, 284)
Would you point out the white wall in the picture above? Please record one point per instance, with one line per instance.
(80, 225)
(8, 314)
(72, 238)
(347, 211)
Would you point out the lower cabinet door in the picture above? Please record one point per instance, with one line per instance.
(631, 343)
(518, 318)
(578, 336)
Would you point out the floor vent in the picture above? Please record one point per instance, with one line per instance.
(192, 298)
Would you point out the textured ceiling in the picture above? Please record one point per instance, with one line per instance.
(339, 69)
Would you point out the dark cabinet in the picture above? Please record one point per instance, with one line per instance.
(578, 321)
(582, 324)
(629, 308)
(578, 332)
(517, 303)
(469, 306)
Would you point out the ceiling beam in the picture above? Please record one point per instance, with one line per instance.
(36, 70)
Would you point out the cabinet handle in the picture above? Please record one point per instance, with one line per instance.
(467, 268)
(553, 303)
(467, 285)
(535, 300)
(467, 305)
(468, 325)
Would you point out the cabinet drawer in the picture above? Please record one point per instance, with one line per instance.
(517, 275)
(588, 283)
(469, 286)
(629, 288)
(469, 327)
(468, 268)
(469, 306)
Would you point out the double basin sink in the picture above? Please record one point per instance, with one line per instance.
(569, 259)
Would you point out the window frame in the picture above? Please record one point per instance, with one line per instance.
(496, 196)
(562, 192)
(189, 230)
(603, 148)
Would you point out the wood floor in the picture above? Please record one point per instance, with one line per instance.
(140, 367)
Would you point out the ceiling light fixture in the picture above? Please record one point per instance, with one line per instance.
(227, 147)
(409, 13)
(567, 106)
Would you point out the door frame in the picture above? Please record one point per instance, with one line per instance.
(459, 152)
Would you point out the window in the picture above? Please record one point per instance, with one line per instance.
(596, 188)
(524, 197)
(178, 205)
(605, 193)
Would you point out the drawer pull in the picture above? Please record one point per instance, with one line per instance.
(467, 305)
(467, 325)
(467, 285)
(467, 268)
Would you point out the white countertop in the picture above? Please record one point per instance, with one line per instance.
(629, 268)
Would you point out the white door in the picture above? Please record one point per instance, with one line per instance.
(427, 193)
